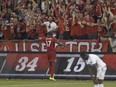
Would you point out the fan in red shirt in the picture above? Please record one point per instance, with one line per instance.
(90, 30)
(101, 31)
(98, 10)
(51, 52)
(113, 8)
(40, 30)
(77, 29)
(6, 32)
(61, 29)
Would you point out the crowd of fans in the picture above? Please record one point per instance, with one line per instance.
(67, 19)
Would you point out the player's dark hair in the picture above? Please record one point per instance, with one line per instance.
(83, 54)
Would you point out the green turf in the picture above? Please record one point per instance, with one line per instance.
(47, 83)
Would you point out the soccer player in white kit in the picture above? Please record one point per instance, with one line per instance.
(97, 68)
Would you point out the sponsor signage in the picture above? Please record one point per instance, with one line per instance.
(36, 65)
(71, 46)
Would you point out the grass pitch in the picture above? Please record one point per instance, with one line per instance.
(47, 83)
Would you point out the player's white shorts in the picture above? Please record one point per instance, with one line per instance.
(101, 73)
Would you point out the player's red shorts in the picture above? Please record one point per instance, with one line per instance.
(51, 56)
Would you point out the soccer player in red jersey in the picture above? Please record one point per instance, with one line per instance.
(51, 52)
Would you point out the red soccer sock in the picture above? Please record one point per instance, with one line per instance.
(52, 70)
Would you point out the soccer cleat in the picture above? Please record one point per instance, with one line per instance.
(52, 79)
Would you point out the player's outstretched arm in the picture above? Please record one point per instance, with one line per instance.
(60, 43)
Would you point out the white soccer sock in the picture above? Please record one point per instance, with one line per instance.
(96, 85)
(101, 85)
